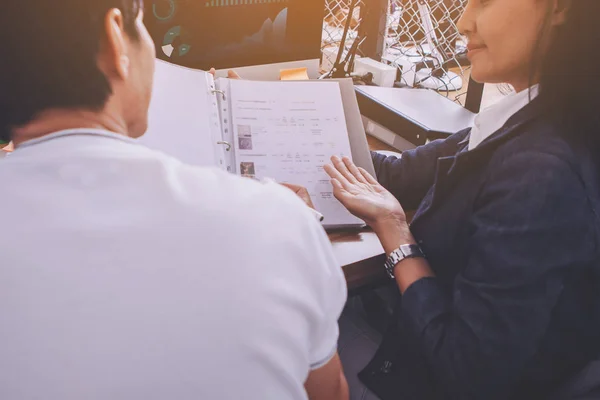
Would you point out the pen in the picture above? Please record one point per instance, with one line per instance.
(318, 215)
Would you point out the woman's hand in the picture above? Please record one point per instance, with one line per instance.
(364, 197)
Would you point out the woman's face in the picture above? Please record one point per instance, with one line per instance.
(502, 36)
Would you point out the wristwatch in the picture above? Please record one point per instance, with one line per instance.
(401, 253)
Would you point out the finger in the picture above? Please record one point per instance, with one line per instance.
(301, 192)
(294, 188)
(213, 72)
(231, 74)
(354, 170)
(338, 188)
(337, 175)
(339, 192)
(340, 166)
(368, 177)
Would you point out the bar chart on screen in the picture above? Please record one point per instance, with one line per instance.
(227, 3)
(225, 34)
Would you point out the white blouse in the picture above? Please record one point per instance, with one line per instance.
(494, 117)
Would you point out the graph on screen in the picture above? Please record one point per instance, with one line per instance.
(235, 33)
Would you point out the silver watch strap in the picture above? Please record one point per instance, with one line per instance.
(403, 252)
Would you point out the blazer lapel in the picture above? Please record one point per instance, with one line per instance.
(450, 168)
(443, 167)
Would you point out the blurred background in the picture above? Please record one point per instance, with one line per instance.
(419, 37)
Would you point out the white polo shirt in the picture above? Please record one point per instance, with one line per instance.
(125, 274)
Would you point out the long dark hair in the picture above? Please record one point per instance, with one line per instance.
(570, 69)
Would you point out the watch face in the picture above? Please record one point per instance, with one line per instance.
(235, 33)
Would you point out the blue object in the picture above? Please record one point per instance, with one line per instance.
(511, 230)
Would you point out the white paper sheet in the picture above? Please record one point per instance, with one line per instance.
(183, 120)
(288, 131)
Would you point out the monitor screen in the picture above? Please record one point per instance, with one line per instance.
(235, 33)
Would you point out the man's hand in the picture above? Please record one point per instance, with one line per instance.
(7, 148)
(230, 74)
(300, 192)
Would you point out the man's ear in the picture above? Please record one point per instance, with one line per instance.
(560, 12)
(113, 59)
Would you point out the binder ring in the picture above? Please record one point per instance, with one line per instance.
(227, 145)
(222, 93)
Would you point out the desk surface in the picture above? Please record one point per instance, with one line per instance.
(361, 256)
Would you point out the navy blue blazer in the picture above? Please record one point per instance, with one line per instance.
(511, 230)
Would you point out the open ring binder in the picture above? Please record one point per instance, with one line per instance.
(221, 92)
(282, 130)
(227, 145)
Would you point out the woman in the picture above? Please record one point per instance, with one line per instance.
(505, 301)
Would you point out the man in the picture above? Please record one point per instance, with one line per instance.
(126, 274)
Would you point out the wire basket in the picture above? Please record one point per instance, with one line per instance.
(420, 38)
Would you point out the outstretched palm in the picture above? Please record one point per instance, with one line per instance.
(361, 194)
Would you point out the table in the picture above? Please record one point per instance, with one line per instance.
(361, 256)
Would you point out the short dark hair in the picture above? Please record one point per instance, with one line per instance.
(570, 71)
(49, 56)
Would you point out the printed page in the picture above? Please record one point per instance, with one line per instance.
(288, 131)
(183, 120)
